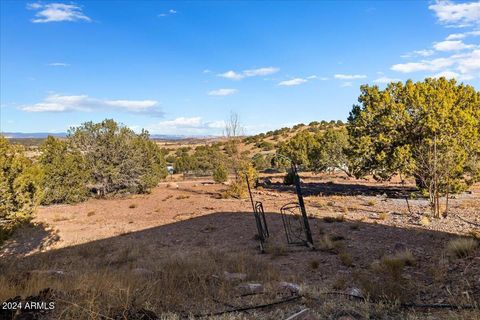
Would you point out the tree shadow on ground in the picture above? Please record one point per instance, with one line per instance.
(345, 189)
(353, 247)
(27, 239)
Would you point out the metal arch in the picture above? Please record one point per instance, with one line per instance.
(308, 240)
(293, 224)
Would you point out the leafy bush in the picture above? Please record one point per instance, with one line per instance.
(220, 174)
(239, 188)
(65, 173)
(19, 187)
(118, 159)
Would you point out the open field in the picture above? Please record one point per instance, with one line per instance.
(173, 252)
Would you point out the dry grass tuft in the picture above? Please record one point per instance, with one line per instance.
(338, 218)
(276, 250)
(58, 218)
(181, 197)
(326, 243)
(383, 216)
(401, 258)
(133, 206)
(425, 221)
(462, 247)
(346, 259)
(94, 288)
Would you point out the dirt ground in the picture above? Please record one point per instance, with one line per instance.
(355, 224)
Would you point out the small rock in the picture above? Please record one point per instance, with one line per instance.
(172, 185)
(234, 276)
(250, 288)
(142, 272)
(292, 288)
(355, 292)
(305, 314)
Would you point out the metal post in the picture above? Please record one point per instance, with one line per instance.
(302, 206)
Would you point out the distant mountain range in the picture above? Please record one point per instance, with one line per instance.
(42, 135)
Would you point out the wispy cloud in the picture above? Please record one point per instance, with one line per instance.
(168, 13)
(222, 92)
(58, 64)
(456, 14)
(349, 76)
(416, 53)
(424, 65)
(63, 103)
(452, 75)
(187, 125)
(451, 45)
(56, 12)
(234, 75)
(292, 82)
(466, 65)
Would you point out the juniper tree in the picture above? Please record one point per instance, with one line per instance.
(428, 129)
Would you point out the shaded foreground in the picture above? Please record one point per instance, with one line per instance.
(176, 267)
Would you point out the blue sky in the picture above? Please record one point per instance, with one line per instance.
(182, 67)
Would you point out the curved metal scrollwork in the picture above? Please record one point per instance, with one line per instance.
(293, 223)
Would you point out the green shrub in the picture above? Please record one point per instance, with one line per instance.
(118, 159)
(239, 188)
(19, 187)
(220, 174)
(65, 173)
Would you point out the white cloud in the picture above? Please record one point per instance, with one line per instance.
(384, 79)
(453, 75)
(292, 82)
(422, 53)
(457, 14)
(469, 63)
(346, 84)
(465, 65)
(233, 75)
(312, 77)
(456, 36)
(56, 12)
(58, 64)
(424, 65)
(63, 103)
(186, 126)
(349, 76)
(260, 72)
(222, 92)
(168, 13)
(451, 45)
